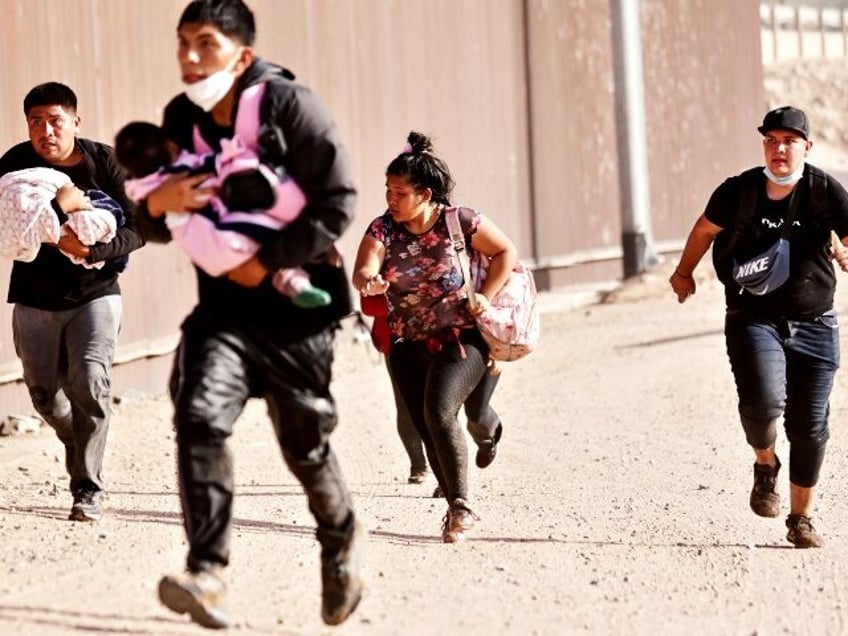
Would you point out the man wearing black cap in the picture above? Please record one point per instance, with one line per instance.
(770, 230)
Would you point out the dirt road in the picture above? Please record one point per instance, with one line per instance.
(617, 505)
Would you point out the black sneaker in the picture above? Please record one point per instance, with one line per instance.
(200, 594)
(341, 578)
(802, 533)
(765, 501)
(487, 450)
(86, 506)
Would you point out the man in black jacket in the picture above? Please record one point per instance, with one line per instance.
(67, 317)
(244, 339)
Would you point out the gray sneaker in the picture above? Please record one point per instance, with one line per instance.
(86, 506)
(200, 594)
(802, 533)
(341, 578)
(765, 500)
(458, 520)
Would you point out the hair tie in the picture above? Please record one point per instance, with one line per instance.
(407, 149)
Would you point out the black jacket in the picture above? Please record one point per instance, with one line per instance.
(307, 143)
(52, 282)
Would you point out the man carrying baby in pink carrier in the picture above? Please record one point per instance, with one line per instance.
(252, 199)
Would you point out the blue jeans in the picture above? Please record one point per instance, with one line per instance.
(785, 367)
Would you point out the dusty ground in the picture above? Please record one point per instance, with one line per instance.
(617, 504)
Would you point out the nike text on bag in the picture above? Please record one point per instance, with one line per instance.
(511, 324)
(766, 272)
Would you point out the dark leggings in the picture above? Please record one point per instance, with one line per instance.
(407, 432)
(433, 387)
(482, 420)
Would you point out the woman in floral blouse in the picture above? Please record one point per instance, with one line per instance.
(437, 356)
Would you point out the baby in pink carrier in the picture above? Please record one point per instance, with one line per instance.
(253, 203)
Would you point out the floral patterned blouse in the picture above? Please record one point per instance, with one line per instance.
(426, 292)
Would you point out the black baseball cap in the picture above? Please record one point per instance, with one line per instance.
(786, 118)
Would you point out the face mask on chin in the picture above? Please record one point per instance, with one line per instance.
(211, 90)
(789, 179)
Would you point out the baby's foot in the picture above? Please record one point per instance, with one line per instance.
(311, 298)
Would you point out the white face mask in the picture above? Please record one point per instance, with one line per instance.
(789, 179)
(211, 90)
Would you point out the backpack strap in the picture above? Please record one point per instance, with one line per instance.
(247, 120)
(247, 116)
(748, 184)
(458, 242)
(817, 182)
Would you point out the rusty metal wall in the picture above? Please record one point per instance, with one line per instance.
(704, 101)
(517, 94)
(704, 98)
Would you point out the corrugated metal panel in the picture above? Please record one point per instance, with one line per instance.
(573, 134)
(518, 95)
(704, 101)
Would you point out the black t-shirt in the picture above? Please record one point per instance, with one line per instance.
(812, 281)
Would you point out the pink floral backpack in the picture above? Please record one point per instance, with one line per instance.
(511, 326)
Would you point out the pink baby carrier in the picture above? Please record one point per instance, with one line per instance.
(241, 153)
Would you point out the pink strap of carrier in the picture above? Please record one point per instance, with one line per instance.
(247, 120)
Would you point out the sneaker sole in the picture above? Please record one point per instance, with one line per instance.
(343, 614)
(768, 514)
(180, 600)
(79, 515)
(801, 544)
(454, 537)
(485, 456)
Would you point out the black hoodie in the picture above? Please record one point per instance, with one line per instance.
(313, 155)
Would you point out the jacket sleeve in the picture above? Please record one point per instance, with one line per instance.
(127, 237)
(319, 163)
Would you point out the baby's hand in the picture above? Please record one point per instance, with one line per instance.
(71, 199)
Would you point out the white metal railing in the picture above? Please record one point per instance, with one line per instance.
(803, 31)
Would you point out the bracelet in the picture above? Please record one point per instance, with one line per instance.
(677, 272)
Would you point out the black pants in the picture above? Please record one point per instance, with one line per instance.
(216, 371)
(433, 387)
(482, 420)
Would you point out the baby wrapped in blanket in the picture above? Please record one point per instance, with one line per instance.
(29, 217)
